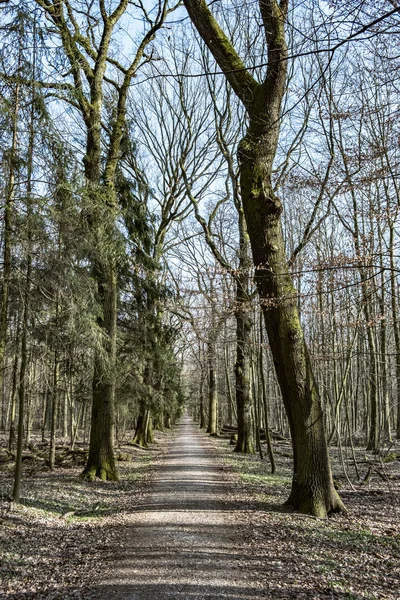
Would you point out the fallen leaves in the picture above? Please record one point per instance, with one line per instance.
(354, 556)
(54, 543)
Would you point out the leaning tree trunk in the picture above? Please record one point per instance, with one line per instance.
(312, 486)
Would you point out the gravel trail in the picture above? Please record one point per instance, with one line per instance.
(186, 537)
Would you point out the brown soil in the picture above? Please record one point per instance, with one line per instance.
(185, 539)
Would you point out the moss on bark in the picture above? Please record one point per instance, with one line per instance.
(312, 489)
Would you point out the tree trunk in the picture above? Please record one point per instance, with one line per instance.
(212, 391)
(22, 390)
(396, 330)
(383, 362)
(13, 403)
(202, 415)
(150, 432)
(26, 295)
(312, 487)
(373, 435)
(228, 387)
(101, 459)
(244, 324)
(54, 415)
(167, 420)
(265, 403)
(142, 427)
(7, 240)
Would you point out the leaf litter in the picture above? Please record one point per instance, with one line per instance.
(56, 543)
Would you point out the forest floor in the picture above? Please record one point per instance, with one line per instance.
(191, 520)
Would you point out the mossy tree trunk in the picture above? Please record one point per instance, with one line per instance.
(101, 460)
(88, 61)
(150, 429)
(142, 437)
(101, 221)
(312, 485)
(244, 326)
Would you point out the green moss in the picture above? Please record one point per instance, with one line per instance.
(392, 456)
(268, 480)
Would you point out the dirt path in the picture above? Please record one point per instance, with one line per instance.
(185, 538)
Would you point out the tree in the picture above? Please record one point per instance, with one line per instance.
(87, 49)
(312, 485)
(223, 109)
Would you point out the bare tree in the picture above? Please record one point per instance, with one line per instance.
(312, 487)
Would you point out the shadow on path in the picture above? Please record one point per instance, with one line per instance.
(185, 540)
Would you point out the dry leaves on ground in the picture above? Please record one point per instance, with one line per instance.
(54, 543)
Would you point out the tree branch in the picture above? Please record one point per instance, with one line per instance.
(244, 84)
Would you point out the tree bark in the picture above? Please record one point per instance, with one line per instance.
(244, 325)
(141, 437)
(212, 427)
(312, 486)
(101, 459)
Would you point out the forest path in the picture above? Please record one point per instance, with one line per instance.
(185, 540)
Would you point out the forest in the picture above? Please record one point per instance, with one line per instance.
(199, 236)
